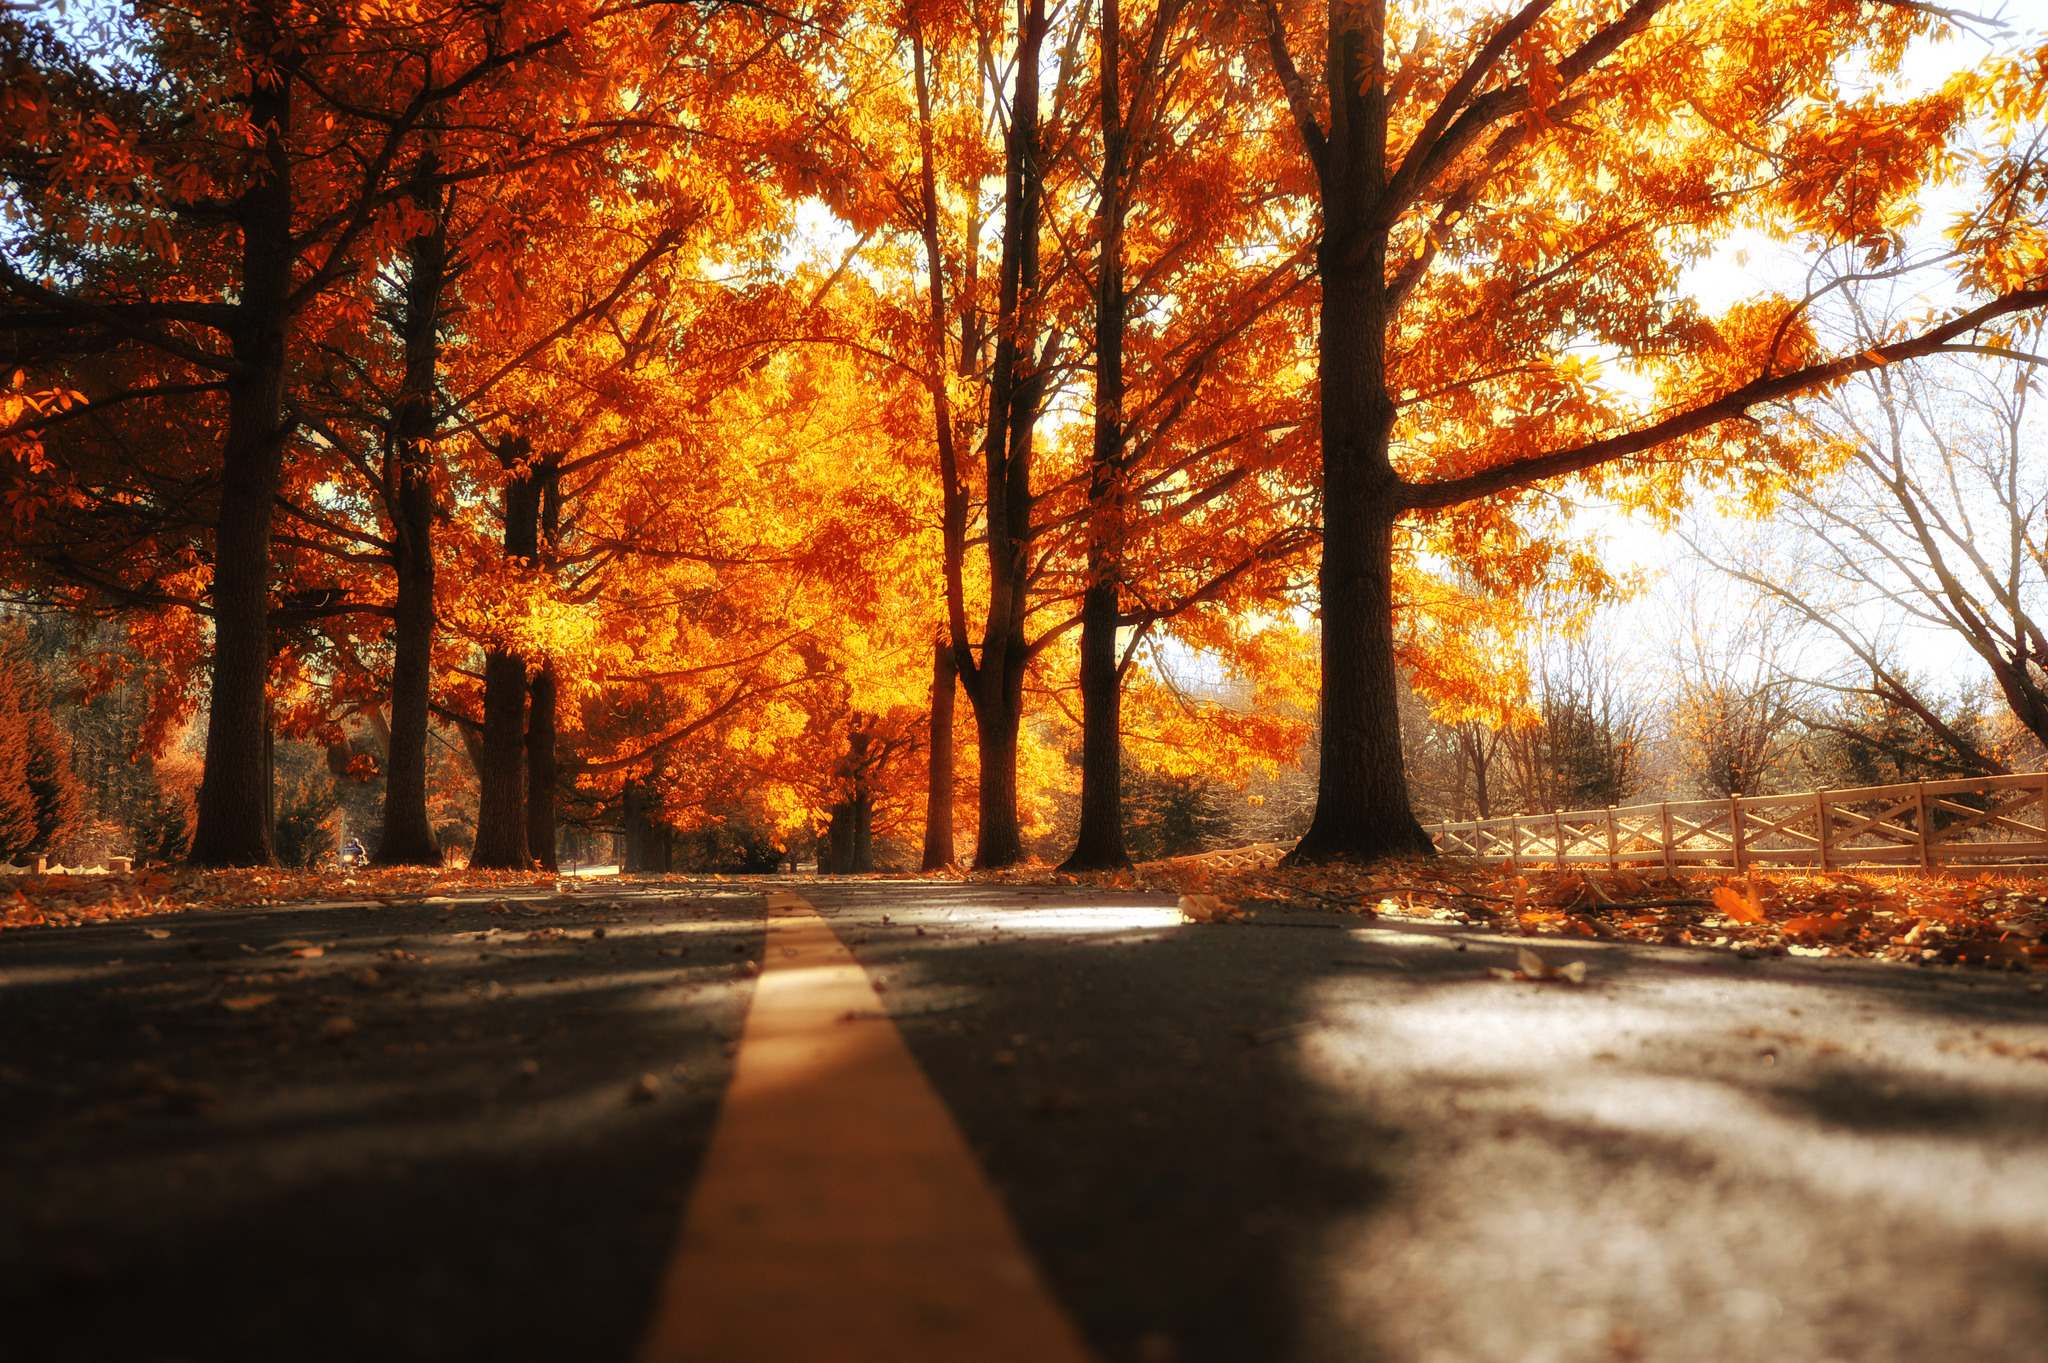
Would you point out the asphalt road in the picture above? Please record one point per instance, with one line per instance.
(1302, 1137)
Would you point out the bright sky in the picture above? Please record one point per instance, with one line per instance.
(1748, 265)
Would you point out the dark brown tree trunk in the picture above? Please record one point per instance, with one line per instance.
(995, 730)
(648, 847)
(861, 808)
(1362, 810)
(1015, 390)
(938, 798)
(233, 826)
(1100, 844)
(838, 849)
(541, 769)
(501, 800)
(408, 837)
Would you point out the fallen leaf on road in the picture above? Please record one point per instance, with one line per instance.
(1737, 906)
(337, 1028)
(295, 944)
(1534, 968)
(1208, 908)
(646, 1089)
(1816, 925)
(243, 1003)
(158, 933)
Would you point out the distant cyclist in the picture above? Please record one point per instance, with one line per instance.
(352, 853)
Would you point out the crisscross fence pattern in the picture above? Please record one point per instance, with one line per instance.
(1977, 821)
(1259, 856)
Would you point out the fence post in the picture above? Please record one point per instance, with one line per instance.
(1820, 826)
(1920, 818)
(1557, 827)
(1735, 830)
(1515, 843)
(1613, 844)
(1664, 814)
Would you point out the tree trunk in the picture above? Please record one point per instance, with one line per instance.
(938, 797)
(501, 802)
(1362, 810)
(861, 809)
(1100, 846)
(646, 847)
(837, 858)
(233, 825)
(995, 730)
(1015, 390)
(408, 837)
(541, 769)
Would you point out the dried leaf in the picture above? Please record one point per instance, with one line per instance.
(1816, 925)
(1737, 906)
(1208, 908)
(243, 1003)
(1535, 969)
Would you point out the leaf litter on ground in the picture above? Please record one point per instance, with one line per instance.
(1961, 916)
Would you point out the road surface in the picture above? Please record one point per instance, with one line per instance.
(491, 1129)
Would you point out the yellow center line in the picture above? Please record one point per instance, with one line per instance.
(839, 1216)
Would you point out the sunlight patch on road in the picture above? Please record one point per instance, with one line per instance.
(1069, 919)
(1725, 1074)
(1739, 1168)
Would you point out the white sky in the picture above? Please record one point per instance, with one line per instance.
(1750, 264)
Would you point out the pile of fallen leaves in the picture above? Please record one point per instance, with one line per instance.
(67, 900)
(1982, 919)
(1959, 918)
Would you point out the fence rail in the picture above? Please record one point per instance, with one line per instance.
(1980, 821)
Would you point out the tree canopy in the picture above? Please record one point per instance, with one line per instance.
(671, 408)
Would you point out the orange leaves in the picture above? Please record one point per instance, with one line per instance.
(1737, 905)
(1208, 908)
(1823, 925)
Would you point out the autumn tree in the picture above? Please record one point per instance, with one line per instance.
(1189, 496)
(250, 159)
(41, 801)
(1492, 192)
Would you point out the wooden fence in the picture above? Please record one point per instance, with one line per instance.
(1984, 821)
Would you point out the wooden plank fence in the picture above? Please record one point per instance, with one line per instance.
(1981, 821)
